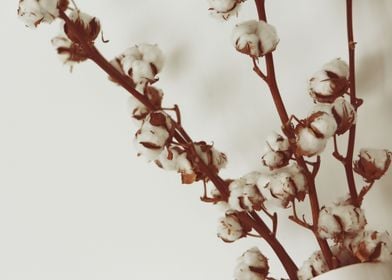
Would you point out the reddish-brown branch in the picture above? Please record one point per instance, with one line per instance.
(272, 83)
(252, 220)
(348, 166)
(364, 192)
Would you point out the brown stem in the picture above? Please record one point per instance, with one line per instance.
(182, 137)
(364, 192)
(272, 83)
(353, 99)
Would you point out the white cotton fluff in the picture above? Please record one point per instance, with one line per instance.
(255, 38)
(323, 124)
(224, 8)
(151, 138)
(313, 267)
(33, 12)
(175, 159)
(282, 189)
(244, 195)
(142, 62)
(230, 228)
(330, 82)
(379, 157)
(371, 246)
(274, 160)
(340, 220)
(252, 265)
(307, 143)
(277, 142)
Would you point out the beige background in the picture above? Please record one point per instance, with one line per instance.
(76, 203)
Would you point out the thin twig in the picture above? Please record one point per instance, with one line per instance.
(336, 152)
(364, 192)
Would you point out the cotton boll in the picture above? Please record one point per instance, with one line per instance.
(323, 124)
(372, 164)
(329, 83)
(340, 220)
(274, 160)
(338, 67)
(252, 265)
(244, 196)
(153, 55)
(210, 156)
(88, 25)
(277, 142)
(277, 152)
(33, 12)
(255, 38)
(313, 267)
(371, 246)
(282, 189)
(344, 114)
(174, 158)
(308, 143)
(153, 135)
(224, 8)
(230, 228)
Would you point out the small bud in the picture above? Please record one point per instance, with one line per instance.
(252, 265)
(224, 8)
(230, 228)
(372, 163)
(153, 135)
(308, 143)
(142, 62)
(255, 38)
(371, 246)
(345, 115)
(245, 196)
(340, 220)
(331, 82)
(34, 12)
(313, 267)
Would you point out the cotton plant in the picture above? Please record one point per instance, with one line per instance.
(289, 161)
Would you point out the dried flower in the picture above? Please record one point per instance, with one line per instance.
(308, 143)
(153, 135)
(255, 38)
(313, 267)
(224, 8)
(34, 12)
(230, 228)
(84, 24)
(142, 62)
(331, 82)
(340, 220)
(372, 163)
(371, 246)
(244, 194)
(252, 265)
(277, 152)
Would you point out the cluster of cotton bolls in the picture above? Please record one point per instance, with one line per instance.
(332, 113)
(252, 265)
(34, 12)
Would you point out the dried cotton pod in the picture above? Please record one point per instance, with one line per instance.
(372, 163)
(252, 265)
(85, 24)
(323, 124)
(69, 52)
(277, 152)
(308, 143)
(345, 115)
(255, 38)
(331, 82)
